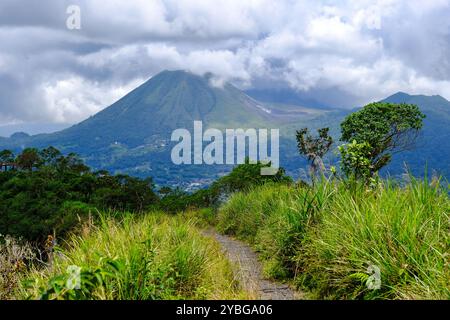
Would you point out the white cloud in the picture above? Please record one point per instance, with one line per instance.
(63, 98)
(364, 49)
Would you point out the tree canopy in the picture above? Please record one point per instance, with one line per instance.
(386, 127)
(48, 192)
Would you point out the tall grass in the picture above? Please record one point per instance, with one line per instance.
(151, 257)
(325, 238)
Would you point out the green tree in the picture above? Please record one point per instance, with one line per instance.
(387, 128)
(71, 162)
(52, 193)
(314, 148)
(355, 160)
(50, 156)
(29, 159)
(247, 175)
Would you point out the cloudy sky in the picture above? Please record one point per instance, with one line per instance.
(343, 53)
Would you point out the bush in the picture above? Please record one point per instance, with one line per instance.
(246, 176)
(242, 178)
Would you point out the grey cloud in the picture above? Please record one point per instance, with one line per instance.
(43, 13)
(421, 40)
(338, 52)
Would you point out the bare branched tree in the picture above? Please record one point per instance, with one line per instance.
(314, 148)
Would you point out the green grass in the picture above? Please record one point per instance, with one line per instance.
(151, 257)
(325, 238)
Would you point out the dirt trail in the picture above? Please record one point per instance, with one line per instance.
(248, 270)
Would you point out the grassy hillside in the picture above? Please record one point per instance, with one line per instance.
(338, 239)
(326, 237)
(151, 257)
(329, 240)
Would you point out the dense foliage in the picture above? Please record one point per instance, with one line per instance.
(44, 192)
(385, 127)
(242, 178)
(355, 160)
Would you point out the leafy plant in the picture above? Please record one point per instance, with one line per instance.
(355, 160)
(150, 257)
(385, 129)
(80, 283)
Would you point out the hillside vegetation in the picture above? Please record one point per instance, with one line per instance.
(347, 234)
(43, 192)
(324, 238)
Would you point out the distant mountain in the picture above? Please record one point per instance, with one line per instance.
(285, 96)
(171, 100)
(433, 146)
(19, 135)
(166, 102)
(132, 136)
(31, 128)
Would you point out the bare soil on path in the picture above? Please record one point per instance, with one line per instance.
(248, 270)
